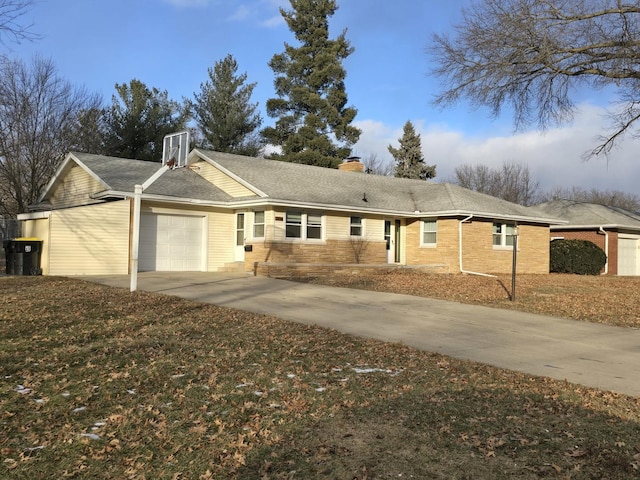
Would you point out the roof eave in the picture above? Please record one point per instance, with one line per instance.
(274, 202)
(594, 226)
(163, 198)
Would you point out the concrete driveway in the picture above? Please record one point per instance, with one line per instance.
(594, 355)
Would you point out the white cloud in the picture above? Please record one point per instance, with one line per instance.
(262, 12)
(273, 22)
(555, 157)
(241, 13)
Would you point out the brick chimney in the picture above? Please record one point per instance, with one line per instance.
(352, 164)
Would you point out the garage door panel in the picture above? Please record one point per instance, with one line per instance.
(171, 242)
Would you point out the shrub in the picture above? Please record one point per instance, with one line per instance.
(576, 256)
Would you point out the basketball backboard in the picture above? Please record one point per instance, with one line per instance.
(175, 147)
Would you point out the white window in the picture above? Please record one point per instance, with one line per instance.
(314, 226)
(503, 235)
(429, 229)
(240, 229)
(303, 225)
(258, 224)
(355, 227)
(293, 226)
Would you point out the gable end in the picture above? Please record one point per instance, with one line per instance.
(76, 188)
(221, 180)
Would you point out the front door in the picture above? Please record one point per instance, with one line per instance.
(240, 236)
(397, 249)
(392, 237)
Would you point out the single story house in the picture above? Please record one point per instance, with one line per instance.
(221, 211)
(614, 230)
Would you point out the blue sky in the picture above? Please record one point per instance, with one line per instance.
(170, 44)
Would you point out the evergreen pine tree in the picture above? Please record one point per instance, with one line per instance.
(138, 120)
(409, 158)
(314, 124)
(223, 112)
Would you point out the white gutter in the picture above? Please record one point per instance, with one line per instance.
(135, 228)
(34, 215)
(462, 270)
(606, 249)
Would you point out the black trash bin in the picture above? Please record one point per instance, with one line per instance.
(23, 256)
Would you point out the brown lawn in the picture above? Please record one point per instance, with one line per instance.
(97, 382)
(602, 299)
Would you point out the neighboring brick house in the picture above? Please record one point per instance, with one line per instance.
(615, 230)
(224, 211)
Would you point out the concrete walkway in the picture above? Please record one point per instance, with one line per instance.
(594, 355)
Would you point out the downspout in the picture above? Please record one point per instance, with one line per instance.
(606, 249)
(135, 227)
(462, 270)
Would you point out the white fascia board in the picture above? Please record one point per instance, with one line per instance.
(199, 154)
(592, 227)
(488, 216)
(61, 170)
(521, 218)
(320, 206)
(160, 198)
(264, 202)
(34, 215)
(395, 213)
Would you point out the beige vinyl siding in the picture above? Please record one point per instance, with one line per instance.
(90, 240)
(276, 227)
(337, 226)
(76, 189)
(39, 228)
(221, 180)
(220, 239)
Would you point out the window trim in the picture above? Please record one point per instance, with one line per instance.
(359, 225)
(304, 226)
(423, 222)
(256, 223)
(503, 235)
(315, 225)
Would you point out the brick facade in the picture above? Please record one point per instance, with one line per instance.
(479, 253)
(328, 252)
(599, 239)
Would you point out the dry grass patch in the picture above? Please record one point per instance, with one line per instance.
(96, 382)
(602, 299)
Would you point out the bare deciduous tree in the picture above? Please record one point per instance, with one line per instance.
(511, 181)
(530, 54)
(375, 166)
(11, 14)
(611, 198)
(39, 114)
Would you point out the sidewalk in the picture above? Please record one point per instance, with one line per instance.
(594, 355)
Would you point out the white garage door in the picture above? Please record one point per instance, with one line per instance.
(171, 243)
(628, 256)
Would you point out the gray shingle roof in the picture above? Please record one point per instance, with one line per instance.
(122, 175)
(284, 182)
(579, 214)
(317, 185)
